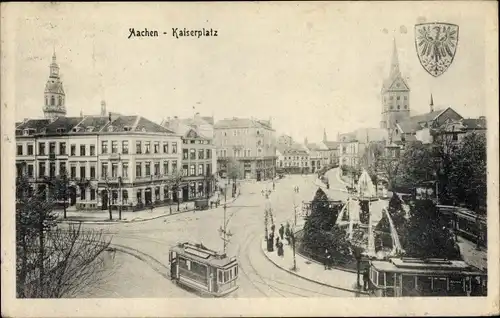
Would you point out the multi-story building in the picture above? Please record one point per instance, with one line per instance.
(292, 159)
(319, 155)
(333, 150)
(250, 144)
(114, 159)
(127, 154)
(198, 155)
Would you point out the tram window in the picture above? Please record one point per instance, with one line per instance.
(182, 262)
(199, 269)
(236, 271)
(220, 277)
(424, 283)
(226, 276)
(375, 277)
(456, 285)
(408, 282)
(231, 273)
(188, 264)
(380, 279)
(389, 279)
(440, 284)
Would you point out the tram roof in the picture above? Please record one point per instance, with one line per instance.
(430, 267)
(201, 254)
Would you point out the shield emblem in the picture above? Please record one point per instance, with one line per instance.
(436, 45)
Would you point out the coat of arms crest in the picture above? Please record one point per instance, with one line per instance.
(436, 45)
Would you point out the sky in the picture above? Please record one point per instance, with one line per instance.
(305, 66)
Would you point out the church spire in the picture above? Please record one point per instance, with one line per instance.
(395, 61)
(324, 135)
(432, 104)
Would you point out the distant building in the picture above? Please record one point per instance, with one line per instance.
(285, 140)
(319, 155)
(292, 159)
(251, 143)
(198, 155)
(333, 150)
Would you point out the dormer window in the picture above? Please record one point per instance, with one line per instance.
(110, 128)
(60, 130)
(127, 128)
(143, 129)
(90, 129)
(26, 132)
(76, 129)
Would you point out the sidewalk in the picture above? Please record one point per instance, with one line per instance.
(471, 255)
(102, 216)
(312, 271)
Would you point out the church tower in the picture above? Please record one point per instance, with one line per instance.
(54, 93)
(395, 95)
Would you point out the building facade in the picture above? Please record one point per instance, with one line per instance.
(247, 146)
(198, 156)
(123, 160)
(293, 159)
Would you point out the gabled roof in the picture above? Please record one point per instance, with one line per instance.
(147, 125)
(290, 150)
(241, 123)
(474, 123)
(315, 146)
(37, 124)
(412, 124)
(332, 145)
(62, 125)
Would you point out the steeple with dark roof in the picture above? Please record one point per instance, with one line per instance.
(54, 95)
(395, 94)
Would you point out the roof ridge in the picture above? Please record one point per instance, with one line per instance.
(134, 126)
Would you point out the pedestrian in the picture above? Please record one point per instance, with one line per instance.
(151, 211)
(281, 231)
(298, 190)
(366, 279)
(273, 228)
(277, 241)
(280, 249)
(326, 259)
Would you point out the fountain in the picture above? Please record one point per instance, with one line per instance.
(366, 192)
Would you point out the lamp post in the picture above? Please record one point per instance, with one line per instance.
(120, 189)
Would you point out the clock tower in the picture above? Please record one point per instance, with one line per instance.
(395, 95)
(54, 105)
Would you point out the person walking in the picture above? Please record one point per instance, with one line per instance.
(273, 227)
(366, 279)
(277, 241)
(327, 259)
(281, 252)
(281, 231)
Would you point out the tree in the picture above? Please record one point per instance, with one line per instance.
(175, 181)
(233, 169)
(52, 261)
(467, 177)
(427, 235)
(60, 186)
(320, 232)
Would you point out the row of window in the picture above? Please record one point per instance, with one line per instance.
(192, 170)
(293, 164)
(193, 141)
(53, 101)
(191, 154)
(42, 166)
(224, 276)
(397, 98)
(140, 148)
(398, 107)
(239, 132)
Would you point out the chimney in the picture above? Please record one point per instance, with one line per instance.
(432, 104)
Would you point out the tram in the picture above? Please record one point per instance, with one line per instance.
(465, 223)
(202, 269)
(399, 277)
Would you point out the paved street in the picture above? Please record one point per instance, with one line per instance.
(258, 276)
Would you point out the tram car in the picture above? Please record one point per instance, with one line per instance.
(466, 223)
(400, 277)
(202, 269)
